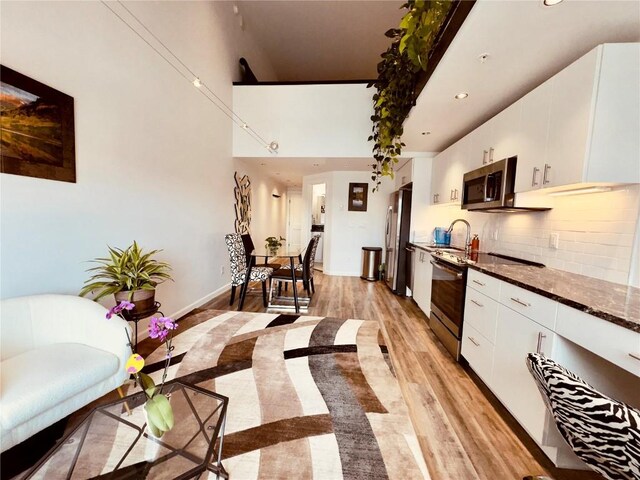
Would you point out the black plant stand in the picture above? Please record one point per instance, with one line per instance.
(136, 317)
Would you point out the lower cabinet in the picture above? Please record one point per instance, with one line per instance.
(423, 271)
(516, 336)
(479, 352)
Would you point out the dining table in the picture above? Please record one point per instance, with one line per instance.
(262, 255)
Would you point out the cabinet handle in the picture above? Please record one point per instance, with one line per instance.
(545, 176)
(541, 337)
(477, 303)
(633, 355)
(491, 154)
(484, 157)
(517, 300)
(472, 340)
(479, 283)
(534, 180)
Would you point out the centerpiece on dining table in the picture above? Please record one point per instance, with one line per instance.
(273, 244)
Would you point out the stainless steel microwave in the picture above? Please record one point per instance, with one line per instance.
(491, 188)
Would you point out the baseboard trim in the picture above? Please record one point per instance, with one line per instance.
(201, 301)
(342, 274)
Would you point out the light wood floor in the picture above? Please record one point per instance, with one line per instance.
(464, 433)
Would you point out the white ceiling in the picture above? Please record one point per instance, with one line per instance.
(527, 43)
(290, 171)
(322, 40)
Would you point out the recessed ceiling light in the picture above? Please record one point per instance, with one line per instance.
(316, 164)
(483, 57)
(426, 133)
(550, 3)
(462, 95)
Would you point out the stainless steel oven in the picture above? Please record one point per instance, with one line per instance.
(447, 303)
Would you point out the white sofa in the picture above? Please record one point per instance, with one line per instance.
(58, 353)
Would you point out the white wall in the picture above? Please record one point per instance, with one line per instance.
(345, 232)
(153, 157)
(268, 214)
(306, 120)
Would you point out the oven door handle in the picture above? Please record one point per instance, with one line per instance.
(448, 270)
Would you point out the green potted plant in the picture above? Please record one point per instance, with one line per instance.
(130, 274)
(274, 243)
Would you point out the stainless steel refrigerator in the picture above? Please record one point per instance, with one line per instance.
(396, 237)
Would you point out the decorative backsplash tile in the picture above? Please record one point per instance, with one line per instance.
(596, 232)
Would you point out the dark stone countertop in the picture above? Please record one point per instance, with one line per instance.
(619, 304)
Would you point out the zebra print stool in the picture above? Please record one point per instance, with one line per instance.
(603, 433)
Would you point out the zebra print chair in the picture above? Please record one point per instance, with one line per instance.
(603, 433)
(238, 261)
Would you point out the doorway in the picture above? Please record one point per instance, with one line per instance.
(318, 206)
(294, 218)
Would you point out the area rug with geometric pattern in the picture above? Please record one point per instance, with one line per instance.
(309, 397)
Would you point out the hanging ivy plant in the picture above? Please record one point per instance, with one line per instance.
(398, 74)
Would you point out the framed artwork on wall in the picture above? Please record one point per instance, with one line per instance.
(36, 129)
(358, 197)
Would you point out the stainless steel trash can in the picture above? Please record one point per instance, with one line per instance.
(371, 258)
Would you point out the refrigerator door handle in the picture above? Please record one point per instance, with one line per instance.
(388, 227)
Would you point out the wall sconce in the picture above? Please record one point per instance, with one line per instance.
(275, 193)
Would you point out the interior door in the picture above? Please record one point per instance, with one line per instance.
(294, 220)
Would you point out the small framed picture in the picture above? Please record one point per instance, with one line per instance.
(36, 129)
(358, 197)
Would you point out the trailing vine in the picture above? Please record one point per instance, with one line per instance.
(398, 74)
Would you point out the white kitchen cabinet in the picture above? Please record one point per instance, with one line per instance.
(423, 271)
(403, 175)
(479, 143)
(516, 336)
(438, 178)
(478, 351)
(533, 137)
(495, 139)
(448, 170)
(505, 129)
(580, 126)
(612, 342)
(594, 119)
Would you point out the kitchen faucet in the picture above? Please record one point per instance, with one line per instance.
(467, 244)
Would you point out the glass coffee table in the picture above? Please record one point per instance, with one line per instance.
(113, 442)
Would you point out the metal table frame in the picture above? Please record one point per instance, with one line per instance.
(135, 400)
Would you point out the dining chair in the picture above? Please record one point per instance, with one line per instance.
(313, 246)
(604, 433)
(249, 246)
(304, 274)
(238, 262)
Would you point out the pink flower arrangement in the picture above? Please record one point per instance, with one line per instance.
(160, 415)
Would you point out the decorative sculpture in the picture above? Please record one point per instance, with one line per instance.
(242, 193)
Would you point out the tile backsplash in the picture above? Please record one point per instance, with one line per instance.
(595, 232)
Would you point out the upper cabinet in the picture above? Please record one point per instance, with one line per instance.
(403, 175)
(533, 137)
(495, 139)
(448, 169)
(582, 124)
